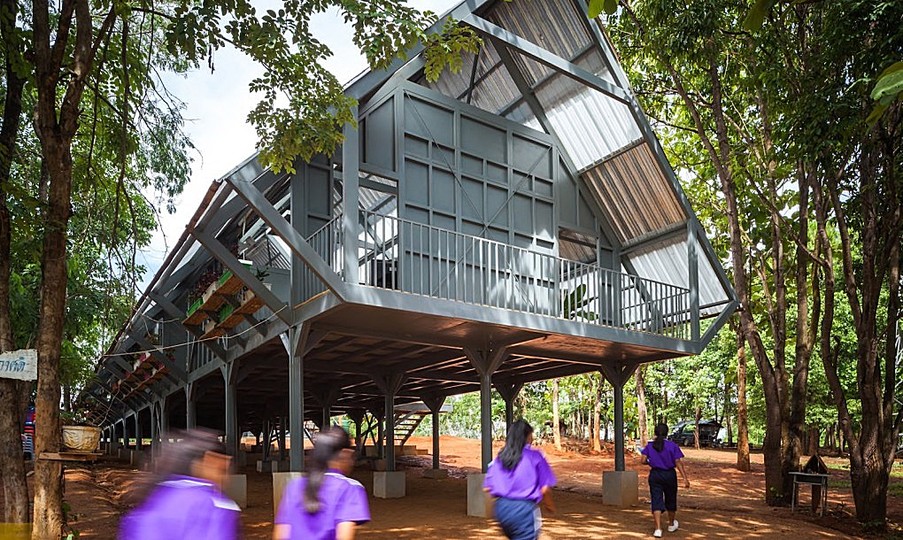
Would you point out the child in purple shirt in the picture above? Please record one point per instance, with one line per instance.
(184, 500)
(663, 456)
(326, 505)
(520, 479)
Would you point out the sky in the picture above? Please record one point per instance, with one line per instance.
(217, 106)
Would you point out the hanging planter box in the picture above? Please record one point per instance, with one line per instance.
(209, 325)
(211, 290)
(224, 278)
(225, 312)
(194, 307)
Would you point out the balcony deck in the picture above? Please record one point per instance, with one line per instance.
(422, 295)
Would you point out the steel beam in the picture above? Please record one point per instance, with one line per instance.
(531, 50)
(299, 246)
(693, 281)
(218, 250)
(170, 309)
(174, 370)
(509, 390)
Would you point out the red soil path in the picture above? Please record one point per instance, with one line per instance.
(722, 502)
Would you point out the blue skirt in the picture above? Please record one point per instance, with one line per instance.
(519, 519)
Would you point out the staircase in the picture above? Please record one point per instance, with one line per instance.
(406, 423)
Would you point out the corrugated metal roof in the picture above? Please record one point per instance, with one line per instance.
(668, 262)
(634, 193)
(554, 26)
(493, 87)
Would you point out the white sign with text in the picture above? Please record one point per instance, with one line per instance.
(21, 365)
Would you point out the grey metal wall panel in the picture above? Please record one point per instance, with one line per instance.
(378, 133)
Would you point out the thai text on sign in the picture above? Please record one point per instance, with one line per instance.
(21, 365)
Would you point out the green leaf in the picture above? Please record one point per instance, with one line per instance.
(757, 13)
(595, 8)
(890, 82)
(611, 6)
(876, 114)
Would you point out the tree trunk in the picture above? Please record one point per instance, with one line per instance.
(742, 420)
(12, 468)
(48, 492)
(813, 440)
(696, 427)
(556, 419)
(597, 412)
(641, 405)
(872, 451)
(805, 334)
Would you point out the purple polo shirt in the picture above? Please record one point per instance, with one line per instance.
(525, 482)
(182, 507)
(341, 499)
(666, 459)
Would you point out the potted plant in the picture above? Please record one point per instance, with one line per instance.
(79, 435)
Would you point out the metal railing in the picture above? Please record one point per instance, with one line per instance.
(327, 242)
(438, 263)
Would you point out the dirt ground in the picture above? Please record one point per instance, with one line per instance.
(721, 503)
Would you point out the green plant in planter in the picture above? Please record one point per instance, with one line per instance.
(197, 303)
(74, 418)
(225, 312)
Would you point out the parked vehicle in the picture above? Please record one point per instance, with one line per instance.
(683, 433)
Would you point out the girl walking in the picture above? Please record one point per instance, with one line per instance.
(326, 505)
(520, 479)
(183, 499)
(663, 456)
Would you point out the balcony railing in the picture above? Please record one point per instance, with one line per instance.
(437, 263)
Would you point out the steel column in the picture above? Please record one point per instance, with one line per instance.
(350, 200)
(390, 385)
(139, 444)
(486, 420)
(618, 376)
(435, 406)
(294, 340)
(693, 265)
(281, 442)
(164, 419)
(486, 363)
(509, 391)
(390, 431)
(229, 372)
(619, 426)
(191, 414)
(155, 445)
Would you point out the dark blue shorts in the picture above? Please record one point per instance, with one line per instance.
(519, 519)
(663, 489)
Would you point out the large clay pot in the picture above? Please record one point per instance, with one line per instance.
(81, 438)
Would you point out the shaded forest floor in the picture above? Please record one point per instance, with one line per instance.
(721, 503)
